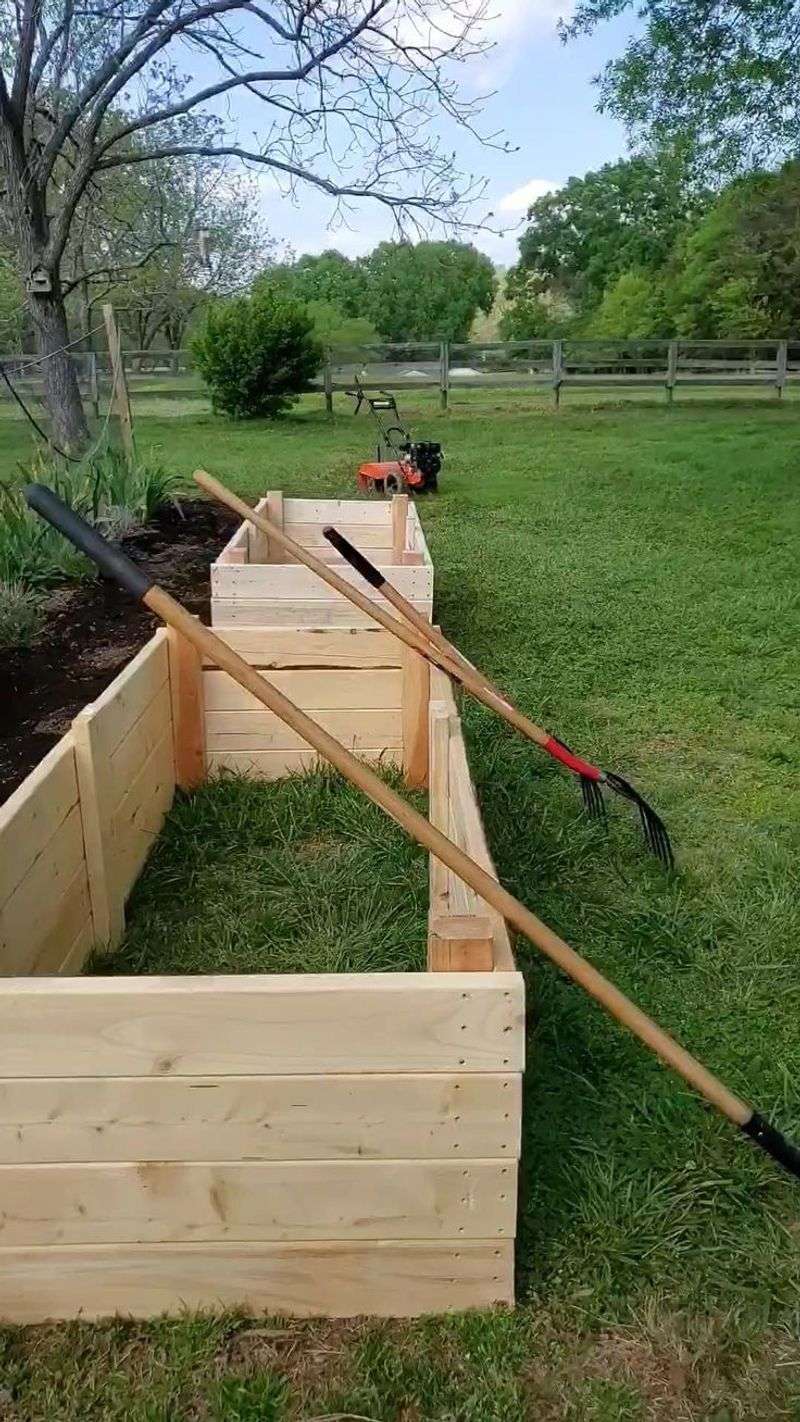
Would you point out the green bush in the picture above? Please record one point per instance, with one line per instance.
(21, 615)
(257, 354)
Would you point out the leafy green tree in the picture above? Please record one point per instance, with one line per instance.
(329, 277)
(724, 72)
(333, 328)
(428, 290)
(634, 307)
(626, 216)
(738, 273)
(257, 354)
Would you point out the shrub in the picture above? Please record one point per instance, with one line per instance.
(104, 489)
(257, 354)
(21, 615)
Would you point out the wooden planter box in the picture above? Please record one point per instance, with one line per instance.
(299, 1144)
(253, 585)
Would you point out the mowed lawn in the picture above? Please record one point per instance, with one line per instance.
(631, 576)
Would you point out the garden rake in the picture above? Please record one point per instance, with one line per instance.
(416, 632)
(116, 565)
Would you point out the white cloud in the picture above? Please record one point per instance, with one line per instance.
(521, 198)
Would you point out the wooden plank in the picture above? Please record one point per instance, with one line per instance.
(118, 708)
(46, 926)
(33, 814)
(187, 715)
(465, 805)
(273, 1025)
(129, 756)
(381, 555)
(322, 511)
(290, 581)
(317, 690)
(399, 530)
(415, 697)
(276, 612)
(313, 646)
(440, 728)
(387, 1279)
(274, 765)
(236, 549)
(261, 730)
(137, 821)
(367, 536)
(33, 912)
(80, 949)
(261, 548)
(437, 1116)
(171, 1202)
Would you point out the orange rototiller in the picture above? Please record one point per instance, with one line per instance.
(403, 465)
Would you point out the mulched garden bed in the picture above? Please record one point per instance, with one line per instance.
(93, 629)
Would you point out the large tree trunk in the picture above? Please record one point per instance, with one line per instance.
(60, 389)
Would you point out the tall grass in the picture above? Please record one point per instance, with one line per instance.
(119, 498)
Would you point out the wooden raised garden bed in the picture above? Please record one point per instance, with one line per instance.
(304, 1144)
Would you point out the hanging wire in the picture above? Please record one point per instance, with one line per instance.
(40, 360)
(43, 434)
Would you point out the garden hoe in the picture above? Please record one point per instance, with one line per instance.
(116, 565)
(435, 648)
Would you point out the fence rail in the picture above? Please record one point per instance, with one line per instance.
(450, 366)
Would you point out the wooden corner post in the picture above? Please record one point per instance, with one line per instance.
(188, 712)
(414, 717)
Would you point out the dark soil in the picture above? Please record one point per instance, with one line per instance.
(94, 629)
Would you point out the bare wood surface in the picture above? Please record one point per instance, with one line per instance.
(188, 717)
(437, 1116)
(159, 1202)
(395, 1278)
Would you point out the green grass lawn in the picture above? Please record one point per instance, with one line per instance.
(630, 575)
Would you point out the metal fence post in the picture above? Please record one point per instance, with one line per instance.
(328, 381)
(781, 368)
(558, 371)
(672, 370)
(444, 374)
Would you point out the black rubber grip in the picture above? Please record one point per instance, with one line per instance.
(109, 560)
(356, 560)
(773, 1143)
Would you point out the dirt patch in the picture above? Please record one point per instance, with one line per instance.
(94, 628)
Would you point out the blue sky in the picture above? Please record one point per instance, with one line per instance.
(545, 103)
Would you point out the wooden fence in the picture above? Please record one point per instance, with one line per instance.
(448, 367)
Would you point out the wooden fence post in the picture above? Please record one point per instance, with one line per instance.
(328, 381)
(119, 385)
(188, 712)
(399, 522)
(94, 384)
(781, 368)
(558, 371)
(672, 370)
(96, 797)
(444, 374)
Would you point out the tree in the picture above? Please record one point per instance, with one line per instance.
(633, 307)
(12, 307)
(428, 290)
(333, 328)
(348, 87)
(738, 273)
(626, 216)
(329, 277)
(724, 72)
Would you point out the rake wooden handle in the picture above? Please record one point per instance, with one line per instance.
(417, 636)
(135, 581)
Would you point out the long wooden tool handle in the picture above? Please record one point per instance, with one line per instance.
(116, 565)
(473, 681)
(416, 636)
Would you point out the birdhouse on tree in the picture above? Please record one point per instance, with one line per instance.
(39, 283)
